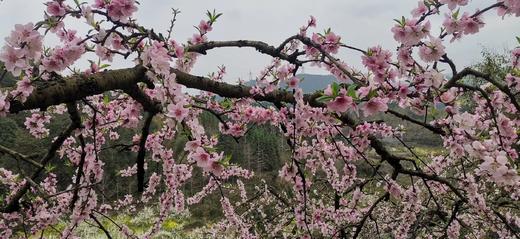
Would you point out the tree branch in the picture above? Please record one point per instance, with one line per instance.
(19, 156)
(13, 205)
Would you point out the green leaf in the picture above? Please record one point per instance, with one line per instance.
(161, 37)
(372, 94)
(226, 160)
(106, 99)
(49, 168)
(456, 14)
(515, 72)
(335, 89)
(327, 31)
(351, 91)
(324, 98)
(226, 103)
(213, 16)
(210, 150)
(369, 52)
(518, 40)
(433, 111)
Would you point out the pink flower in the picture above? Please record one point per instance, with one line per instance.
(130, 115)
(409, 32)
(233, 129)
(198, 39)
(513, 81)
(177, 111)
(202, 158)
(215, 167)
(340, 104)
(378, 61)
(13, 59)
(121, 10)
(192, 145)
(506, 127)
(515, 54)
(404, 57)
(67, 35)
(51, 64)
(448, 96)
(374, 106)
(62, 57)
(116, 41)
(179, 49)
(284, 71)
(433, 78)
(204, 27)
(55, 8)
(510, 7)
(36, 125)
(157, 56)
(293, 82)
(364, 91)
(404, 90)
(25, 36)
(92, 69)
(103, 53)
(394, 189)
(420, 10)
(432, 51)
(331, 43)
(24, 88)
(470, 25)
(24, 44)
(4, 104)
(451, 24)
(453, 230)
(100, 4)
(452, 4)
(113, 135)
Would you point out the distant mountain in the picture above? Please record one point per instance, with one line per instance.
(310, 83)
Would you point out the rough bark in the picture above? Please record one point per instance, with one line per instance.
(70, 89)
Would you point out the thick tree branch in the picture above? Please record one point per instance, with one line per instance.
(73, 88)
(260, 46)
(142, 151)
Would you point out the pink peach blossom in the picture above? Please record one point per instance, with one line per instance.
(432, 51)
(375, 105)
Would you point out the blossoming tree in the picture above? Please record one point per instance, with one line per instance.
(472, 190)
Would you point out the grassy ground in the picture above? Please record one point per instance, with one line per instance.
(138, 222)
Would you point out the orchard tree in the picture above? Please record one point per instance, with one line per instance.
(471, 190)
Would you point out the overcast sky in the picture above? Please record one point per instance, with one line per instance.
(360, 23)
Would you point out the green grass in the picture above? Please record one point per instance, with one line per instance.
(139, 222)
